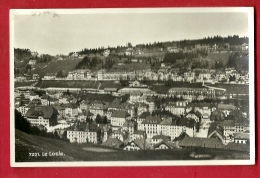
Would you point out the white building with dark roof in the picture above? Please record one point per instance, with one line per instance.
(42, 115)
(119, 117)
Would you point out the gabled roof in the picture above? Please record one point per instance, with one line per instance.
(163, 137)
(237, 147)
(140, 142)
(58, 107)
(168, 144)
(86, 102)
(113, 142)
(167, 121)
(144, 115)
(115, 103)
(98, 105)
(242, 135)
(45, 111)
(215, 128)
(120, 114)
(201, 142)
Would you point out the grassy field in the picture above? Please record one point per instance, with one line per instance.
(24, 144)
(82, 152)
(55, 66)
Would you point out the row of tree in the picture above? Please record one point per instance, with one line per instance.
(159, 46)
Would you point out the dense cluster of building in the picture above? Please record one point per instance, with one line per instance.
(163, 74)
(137, 123)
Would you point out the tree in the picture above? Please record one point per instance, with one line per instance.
(98, 119)
(105, 120)
(21, 123)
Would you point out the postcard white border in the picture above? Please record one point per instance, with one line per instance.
(249, 10)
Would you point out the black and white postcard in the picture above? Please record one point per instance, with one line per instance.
(132, 87)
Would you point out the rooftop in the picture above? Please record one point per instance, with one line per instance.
(120, 113)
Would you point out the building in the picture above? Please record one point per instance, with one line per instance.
(141, 118)
(198, 93)
(71, 110)
(189, 76)
(106, 52)
(50, 76)
(228, 128)
(84, 133)
(137, 144)
(137, 134)
(61, 111)
(113, 142)
(119, 117)
(194, 142)
(226, 108)
(244, 47)
(80, 74)
(84, 105)
(204, 108)
(242, 138)
(129, 51)
(159, 138)
(163, 145)
(98, 107)
(174, 127)
(177, 108)
(36, 77)
(151, 125)
(42, 115)
(216, 131)
(130, 126)
(32, 62)
(23, 109)
(121, 135)
(194, 115)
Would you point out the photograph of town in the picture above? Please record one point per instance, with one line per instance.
(110, 86)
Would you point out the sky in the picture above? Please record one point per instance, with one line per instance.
(64, 33)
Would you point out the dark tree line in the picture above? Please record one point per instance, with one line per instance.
(159, 46)
(231, 40)
(87, 63)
